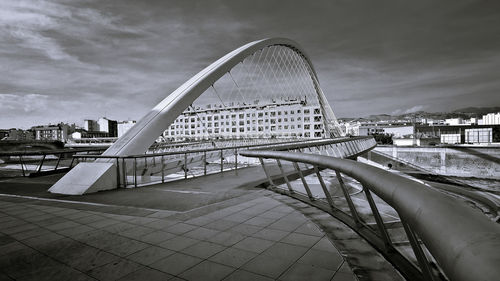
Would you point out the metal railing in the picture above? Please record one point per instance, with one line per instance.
(151, 168)
(33, 163)
(464, 243)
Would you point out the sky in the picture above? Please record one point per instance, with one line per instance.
(70, 60)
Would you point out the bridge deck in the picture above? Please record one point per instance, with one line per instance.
(206, 228)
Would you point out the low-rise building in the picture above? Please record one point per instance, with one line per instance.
(51, 132)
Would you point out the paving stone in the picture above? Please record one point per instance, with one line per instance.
(327, 260)
(285, 225)
(141, 220)
(246, 229)
(301, 239)
(233, 257)
(207, 271)
(260, 221)
(239, 217)
(344, 274)
(148, 274)
(88, 219)
(271, 234)
(29, 233)
(55, 271)
(11, 247)
(300, 272)
(70, 232)
(268, 266)
(226, 238)
(272, 215)
(176, 263)
(136, 232)
(102, 223)
(285, 251)
(200, 221)
(243, 275)
(25, 226)
(24, 262)
(118, 228)
(178, 243)
(253, 244)
(62, 225)
(180, 228)
(41, 239)
(203, 249)
(156, 237)
(310, 228)
(150, 255)
(201, 233)
(6, 239)
(161, 224)
(221, 225)
(114, 270)
(325, 245)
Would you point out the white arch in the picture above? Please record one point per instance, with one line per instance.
(140, 137)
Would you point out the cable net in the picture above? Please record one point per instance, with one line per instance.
(271, 94)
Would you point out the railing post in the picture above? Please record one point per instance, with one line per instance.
(323, 186)
(162, 170)
(348, 198)
(124, 170)
(378, 219)
(135, 172)
(72, 160)
(284, 176)
(271, 183)
(41, 164)
(185, 166)
(58, 160)
(117, 172)
(204, 163)
(304, 182)
(22, 164)
(419, 253)
(236, 159)
(221, 162)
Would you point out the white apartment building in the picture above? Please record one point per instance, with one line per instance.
(287, 119)
(491, 119)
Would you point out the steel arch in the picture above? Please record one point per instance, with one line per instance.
(140, 137)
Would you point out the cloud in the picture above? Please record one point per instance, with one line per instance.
(409, 110)
(29, 103)
(88, 57)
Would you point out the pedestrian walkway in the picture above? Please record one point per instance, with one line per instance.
(256, 239)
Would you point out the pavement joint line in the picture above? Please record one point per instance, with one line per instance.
(81, 202)
(185, 191)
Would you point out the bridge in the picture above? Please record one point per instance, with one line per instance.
(242, 173)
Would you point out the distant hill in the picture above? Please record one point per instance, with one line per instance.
(478, 110)
(467, 112)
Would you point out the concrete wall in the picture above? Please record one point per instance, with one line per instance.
(479, 162)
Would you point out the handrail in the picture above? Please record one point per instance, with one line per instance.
(464, 242)
(280, 146)
(49, 152)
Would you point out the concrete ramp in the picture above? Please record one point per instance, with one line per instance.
(87, 178)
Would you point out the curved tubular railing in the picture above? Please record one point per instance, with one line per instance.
(464, 242)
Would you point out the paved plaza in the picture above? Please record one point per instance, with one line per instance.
(205, 229)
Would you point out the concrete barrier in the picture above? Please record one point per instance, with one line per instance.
(479, 162)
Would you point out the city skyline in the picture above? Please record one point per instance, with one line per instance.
(71, 60)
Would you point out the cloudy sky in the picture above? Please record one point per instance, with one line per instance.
(66, 60)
